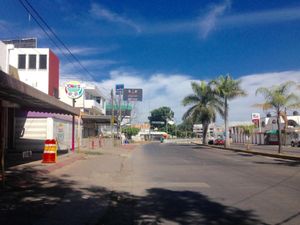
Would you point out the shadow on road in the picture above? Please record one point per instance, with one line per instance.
(280, 162)
(31, 197)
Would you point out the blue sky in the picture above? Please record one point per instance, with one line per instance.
(143, 40)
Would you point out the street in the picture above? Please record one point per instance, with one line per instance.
(161, 184)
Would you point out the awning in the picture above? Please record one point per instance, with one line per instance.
(104, 119)
(31, 99)
(271, 131)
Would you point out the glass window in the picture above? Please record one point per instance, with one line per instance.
(43, 61)
(22, 61)
(32, 61)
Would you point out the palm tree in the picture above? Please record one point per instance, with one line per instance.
(227, 89)
(279, 98)
(204, 106)
(248, 131)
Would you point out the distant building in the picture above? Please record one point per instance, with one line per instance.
(93, 109)
(213, 131)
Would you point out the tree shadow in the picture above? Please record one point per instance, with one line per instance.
(161, 206)
(31, 197)
(280, 162)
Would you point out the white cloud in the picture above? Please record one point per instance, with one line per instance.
(216, 18)
(98, 11)
(208, 23)
(86, 51)
(69, 70)
(241, 108)
(169, 90)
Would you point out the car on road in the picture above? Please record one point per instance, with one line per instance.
(219, 141)
(295, 140)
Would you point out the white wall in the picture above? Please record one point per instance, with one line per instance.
(82, 102)
(42, 129)
(37, 78)
(3, 55)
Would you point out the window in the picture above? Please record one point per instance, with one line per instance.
(22, 62)
(43, 61)
(32, 61)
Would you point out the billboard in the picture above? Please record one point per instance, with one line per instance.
(119, 89)
(133, 94)
(255, 117)
(74, 89)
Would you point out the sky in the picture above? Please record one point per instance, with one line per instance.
(163, 45)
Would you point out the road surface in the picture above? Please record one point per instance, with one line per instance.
(159, 184)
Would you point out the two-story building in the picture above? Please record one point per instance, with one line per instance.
(39, 68)
(93, 108)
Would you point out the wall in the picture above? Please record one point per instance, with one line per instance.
(32, 132)
(37, 78)
(3, 55)
(53, 75)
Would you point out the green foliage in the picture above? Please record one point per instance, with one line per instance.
(161, 114)
(226, 88)
(130, 131)
(248, 129)
(279, 98)
(204, 105)
(186, 125)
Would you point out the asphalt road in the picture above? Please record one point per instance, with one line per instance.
(187, 184)
(156, 184)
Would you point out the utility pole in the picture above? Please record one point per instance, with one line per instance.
(112, 115)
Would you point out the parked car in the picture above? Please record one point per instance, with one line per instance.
(295, 140)
(219, 141)
(211, 141)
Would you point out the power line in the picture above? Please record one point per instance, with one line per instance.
(30, 9)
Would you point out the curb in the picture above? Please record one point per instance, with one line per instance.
(58, 165)
(280, 156)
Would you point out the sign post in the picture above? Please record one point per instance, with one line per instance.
(73, 90)
(255, 117)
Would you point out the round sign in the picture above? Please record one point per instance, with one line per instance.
(73, 89)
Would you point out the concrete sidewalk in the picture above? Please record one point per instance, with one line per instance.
(287, 152)
(71, 157)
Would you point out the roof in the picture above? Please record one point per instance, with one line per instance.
(31, 99)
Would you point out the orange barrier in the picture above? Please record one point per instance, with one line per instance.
(50, 151)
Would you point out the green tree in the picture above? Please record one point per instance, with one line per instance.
(279, 98)
(248, 131)
(227, 89)
(204, 105)
(163, 114)
(130, 131)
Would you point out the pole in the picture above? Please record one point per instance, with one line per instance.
(112, 115)
(120, 116)
(73, 129)
(79, 132)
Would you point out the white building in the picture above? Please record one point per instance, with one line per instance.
(91, 103)
(213, 130)
(39, 68)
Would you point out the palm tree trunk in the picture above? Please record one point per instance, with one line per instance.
(279, 132)
(205, 128)
(227, 144)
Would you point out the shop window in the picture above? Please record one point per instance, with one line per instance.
(32, 61)
(22, 61)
